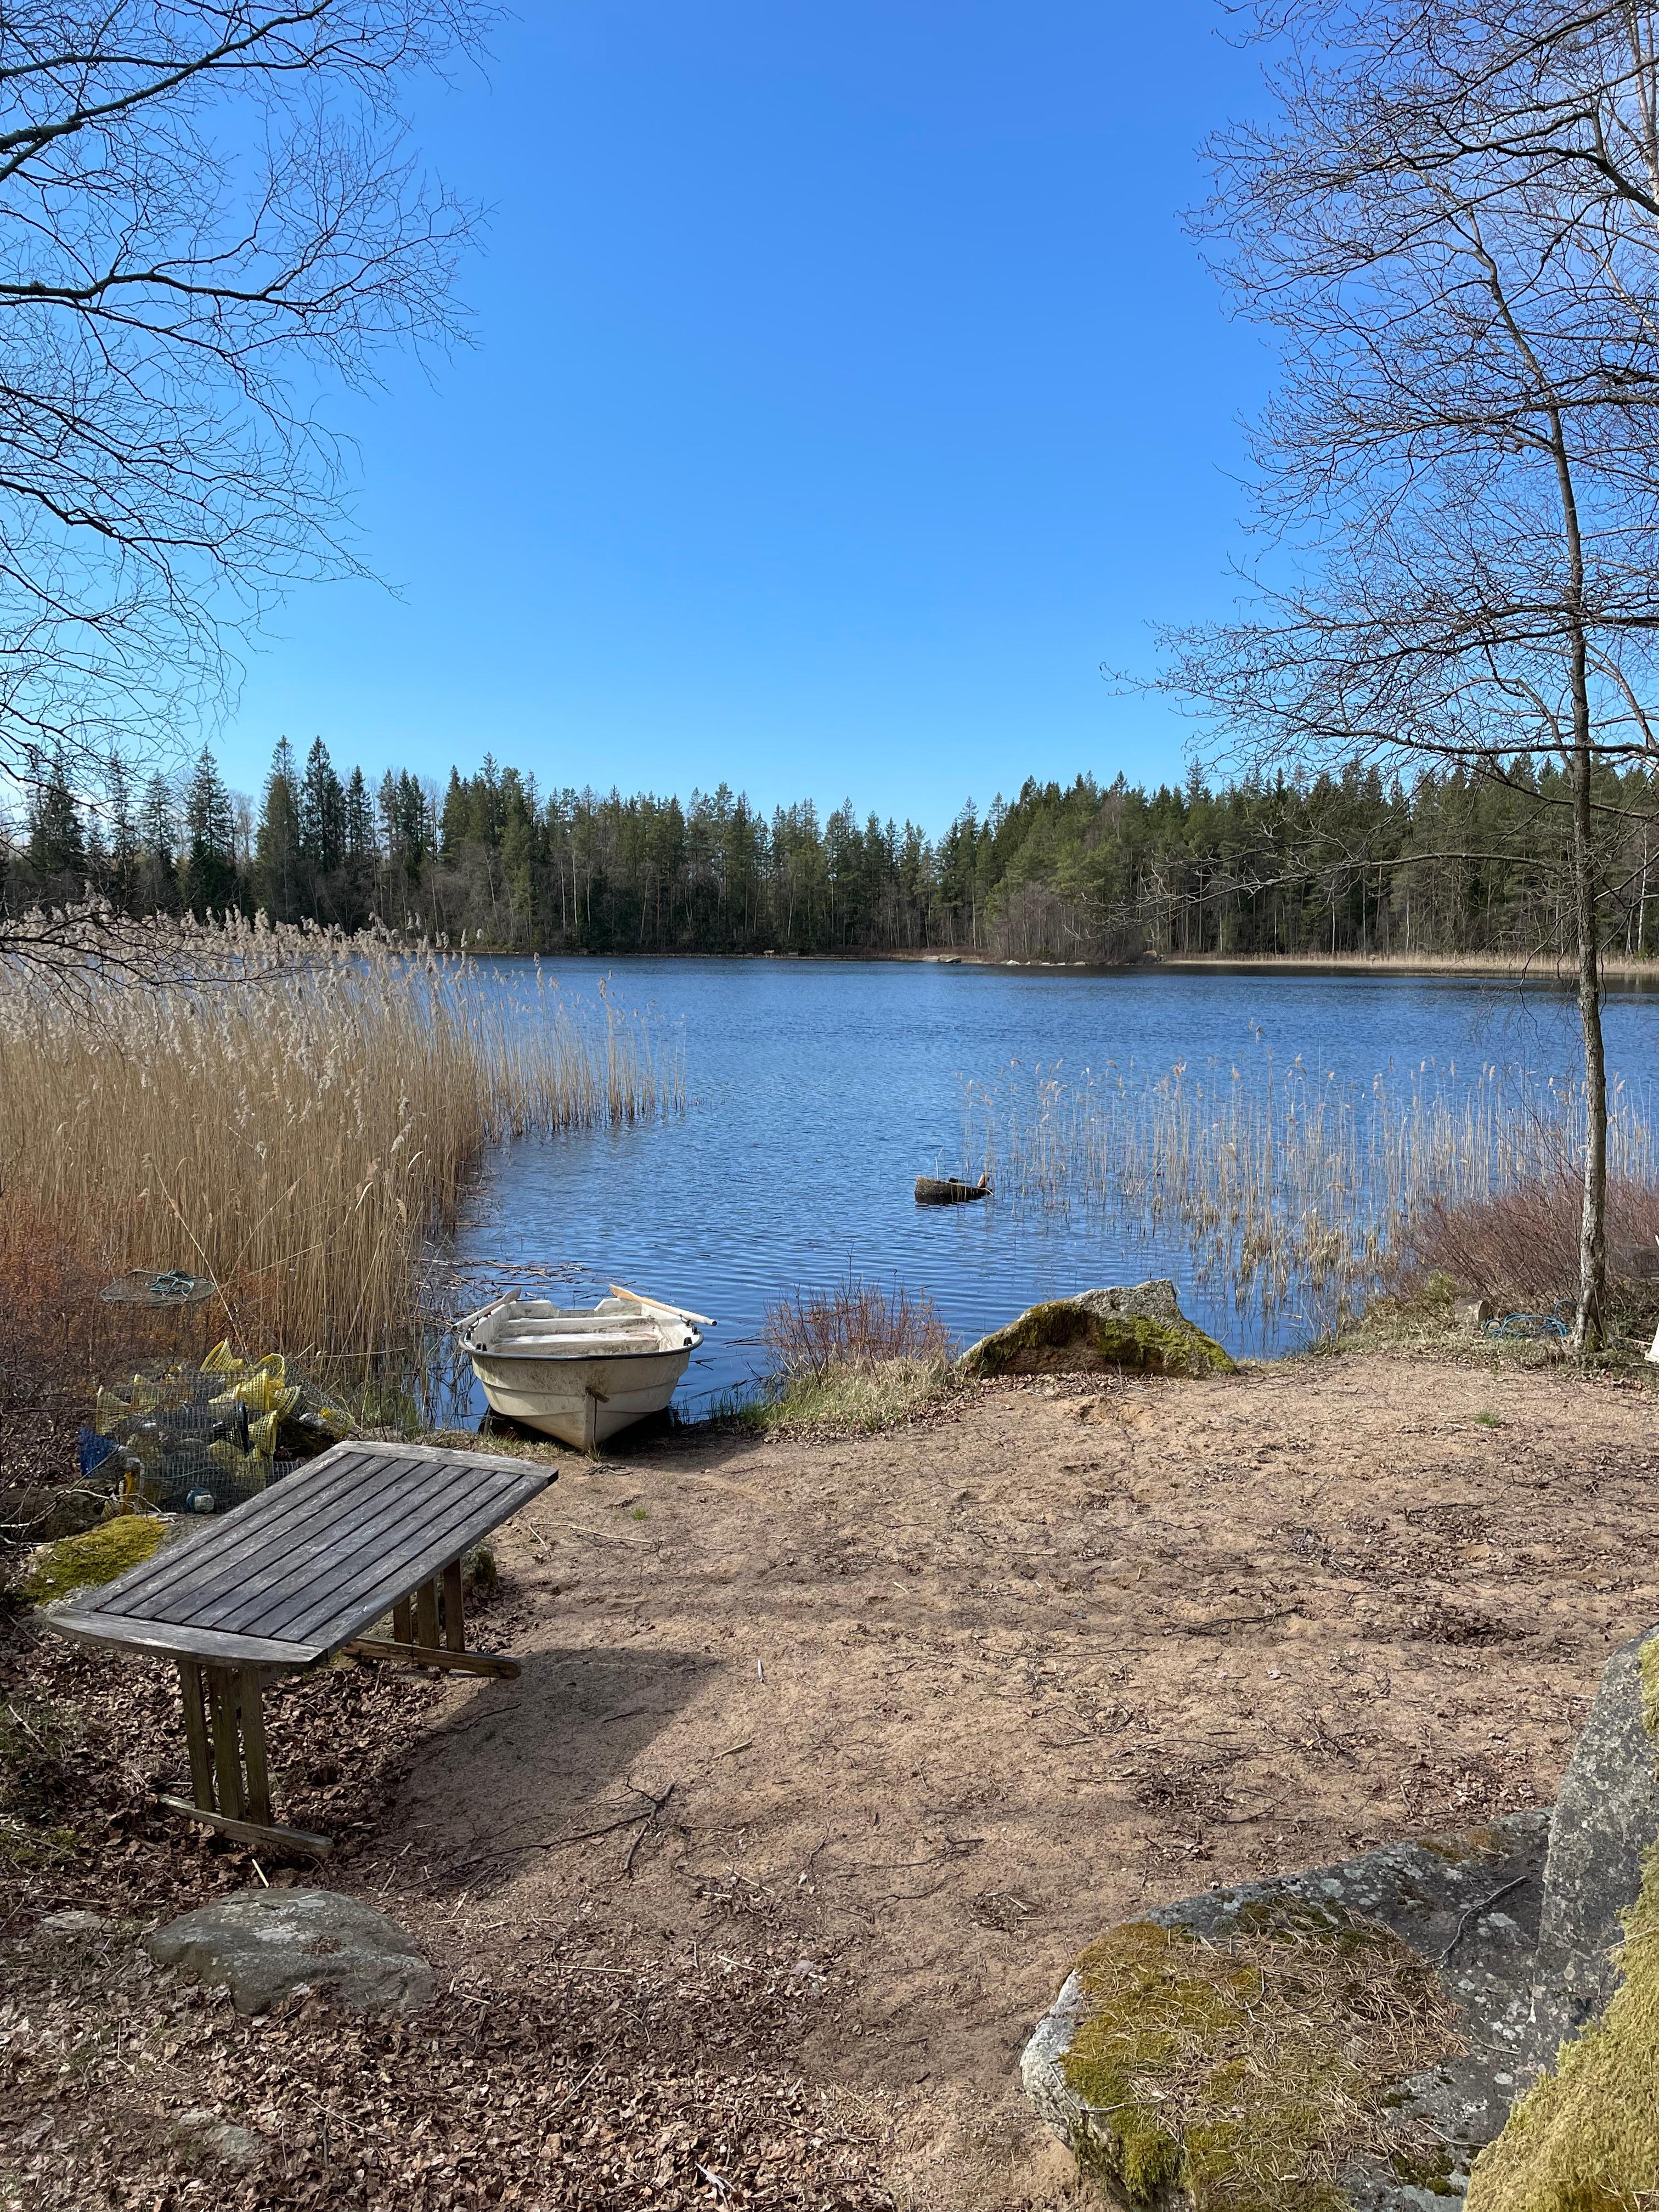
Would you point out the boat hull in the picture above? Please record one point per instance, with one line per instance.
(581, 1401)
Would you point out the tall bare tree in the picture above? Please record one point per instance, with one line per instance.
(207, 212)
(1452, 223)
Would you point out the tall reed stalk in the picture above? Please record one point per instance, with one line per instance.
(1282, 1182)
(291, 1114)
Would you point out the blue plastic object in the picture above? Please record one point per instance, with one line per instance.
(1557, 1322)
(91, 1449)
(201, 1501)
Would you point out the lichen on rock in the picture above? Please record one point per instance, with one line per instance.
(1585, 2137)
(1244, 2074)
(268, 1944)
(1141, 1327)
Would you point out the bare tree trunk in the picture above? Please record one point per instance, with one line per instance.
(1587, 1321)
(1588, 1325)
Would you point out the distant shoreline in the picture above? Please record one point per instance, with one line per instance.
(1536, 967)
(1552, 968)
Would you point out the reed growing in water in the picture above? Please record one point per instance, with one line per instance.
(289, 1113)
(1285, 1184)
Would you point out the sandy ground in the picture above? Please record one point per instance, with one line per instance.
(908, 1720)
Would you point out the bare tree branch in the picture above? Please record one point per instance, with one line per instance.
(206, 212)
(1453, 227)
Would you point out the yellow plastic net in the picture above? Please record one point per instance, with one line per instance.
(203, 1438)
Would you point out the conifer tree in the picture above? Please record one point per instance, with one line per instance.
(359, 818)
(322, 817)
(125, 848)
(276, 855)
(57, 847)
(158, 839)
(209, 885)
(356, 902)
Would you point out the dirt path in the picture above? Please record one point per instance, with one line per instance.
(908, 1720)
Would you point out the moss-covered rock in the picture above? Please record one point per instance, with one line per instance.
(1247, 2075)
(98, 1555)
(1585, 2138)
(1185, 2084)
(1141, 1327)
(1341, 2037)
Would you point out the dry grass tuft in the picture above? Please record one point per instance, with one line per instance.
(290, 1114)
(851, 1359)
(855, 1400)
(813, 1333)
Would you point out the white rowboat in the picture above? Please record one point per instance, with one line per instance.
(580, 1373)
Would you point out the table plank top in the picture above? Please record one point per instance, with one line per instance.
(287, 1577)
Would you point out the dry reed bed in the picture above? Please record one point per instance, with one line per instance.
(1284, 1183)
(292, 1113)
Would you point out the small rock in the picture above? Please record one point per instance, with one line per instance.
(267, 1943)
(73, 1922)
(40, 1513)
(235, 2146)
(1470, 1316)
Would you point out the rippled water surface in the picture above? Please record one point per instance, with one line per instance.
(817, 1090)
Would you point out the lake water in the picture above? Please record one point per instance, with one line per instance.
(817, 1090)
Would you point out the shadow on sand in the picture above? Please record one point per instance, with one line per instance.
(559, 1755)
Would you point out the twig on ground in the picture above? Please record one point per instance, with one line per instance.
(1478, 1912)
(1240, 1620)
(558, 1842)
(650, 1822)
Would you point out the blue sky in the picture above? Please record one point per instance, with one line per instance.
(845, 392)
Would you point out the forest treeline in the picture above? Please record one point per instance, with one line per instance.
(1461, 861)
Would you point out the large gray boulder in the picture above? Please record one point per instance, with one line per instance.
(1354, 2033)
(1606, 1818)
(1361, 2031)
(40, 1513)
(268, 1943)
(1141, 1326)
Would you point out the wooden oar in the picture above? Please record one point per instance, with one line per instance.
(680, 1312)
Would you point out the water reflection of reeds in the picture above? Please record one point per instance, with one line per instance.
(1286, 1185)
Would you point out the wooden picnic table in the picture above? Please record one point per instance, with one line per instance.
(290, 1578)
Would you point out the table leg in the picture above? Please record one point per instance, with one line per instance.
(229, 1776)
(226, 1753)
(195, 1734)
(416, 1629)
(426, 1615)
(250, 1700)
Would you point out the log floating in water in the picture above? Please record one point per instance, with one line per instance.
(947, 1190)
